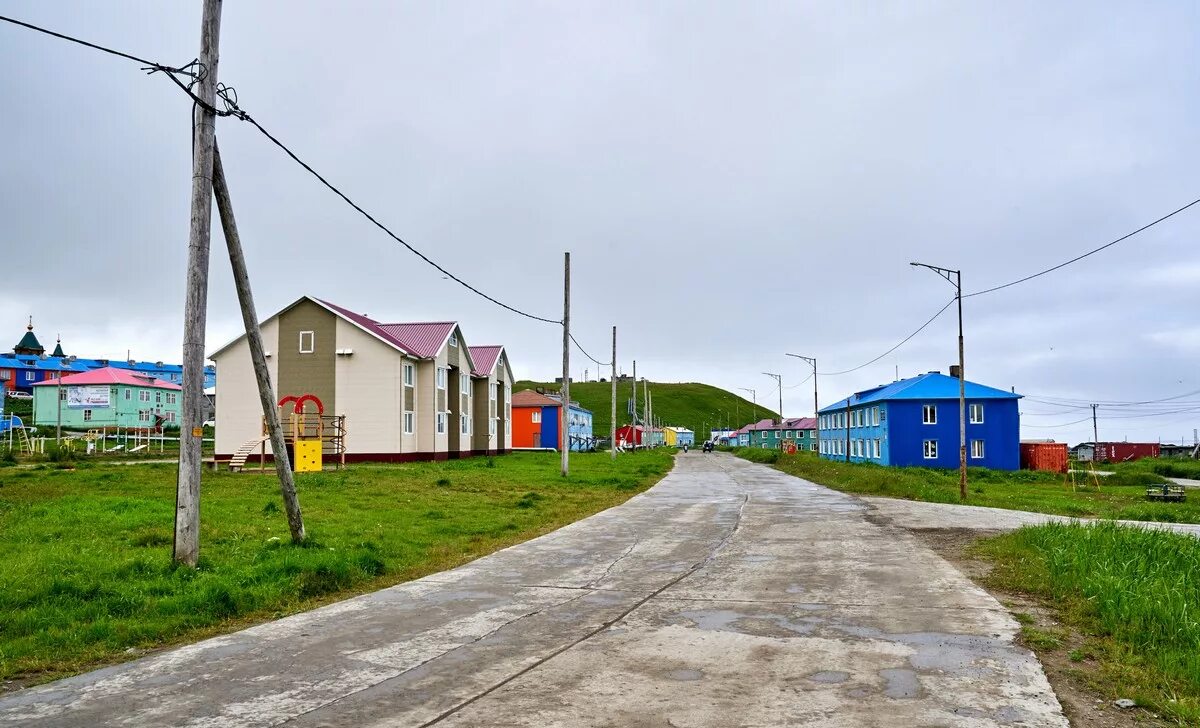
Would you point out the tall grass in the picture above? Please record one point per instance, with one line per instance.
(1139, 587)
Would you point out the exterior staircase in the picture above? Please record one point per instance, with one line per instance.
(238, 461)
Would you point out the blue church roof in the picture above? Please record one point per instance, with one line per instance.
(924, 387)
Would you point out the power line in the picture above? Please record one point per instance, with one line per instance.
(229, 98)
(589, 356)
(903, 341)
(1081, 257)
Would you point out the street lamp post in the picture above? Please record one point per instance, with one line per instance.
(754, 401)
(778, 385)
(956, 281)
(816, 417)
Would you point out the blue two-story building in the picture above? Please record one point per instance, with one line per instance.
(915, 422)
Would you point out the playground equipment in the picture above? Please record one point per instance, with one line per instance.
(309, 435)
(12, 428)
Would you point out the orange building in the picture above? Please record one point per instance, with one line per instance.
(535, 420)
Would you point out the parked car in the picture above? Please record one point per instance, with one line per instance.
(16, 394)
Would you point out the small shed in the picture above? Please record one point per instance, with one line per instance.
(1044, 455)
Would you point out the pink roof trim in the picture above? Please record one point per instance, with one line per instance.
(109, 375)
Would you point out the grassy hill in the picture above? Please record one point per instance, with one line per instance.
(688, 404)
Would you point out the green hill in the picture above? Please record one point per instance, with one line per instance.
(691, 405)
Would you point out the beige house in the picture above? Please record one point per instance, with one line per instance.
(408, 391)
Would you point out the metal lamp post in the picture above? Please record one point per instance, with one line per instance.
(816, 417)
(956, 281)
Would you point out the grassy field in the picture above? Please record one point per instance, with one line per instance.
(1122, 495)
(86, 552)
(1168, 467)
(688, 404)
(1131, 593)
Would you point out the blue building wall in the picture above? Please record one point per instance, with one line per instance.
(579, 429)
(550, 427)
(685, 438)
(1000, 433)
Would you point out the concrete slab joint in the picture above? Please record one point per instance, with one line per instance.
(729, 594)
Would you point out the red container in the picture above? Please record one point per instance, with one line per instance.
(1048, 456)
(1119, 452)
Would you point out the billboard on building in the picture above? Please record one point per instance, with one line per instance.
(87, 397)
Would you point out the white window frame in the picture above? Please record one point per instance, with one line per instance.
(441, 423)
(143, 395)
(62, 395)
(929, 414)
(875, 416)
(464, 384)
(171, 417)
(410, 374)
(172, 398)
(492, 426)
(536, 417)
(143, 415)
(972, 409)
(464, 424)
(878, 450)
(440, 378)
(453, 338)
(977, 449)
(787, 434)
(929, 448)
(410, 421)
(128, 394)
(493, 390)
(312, 342)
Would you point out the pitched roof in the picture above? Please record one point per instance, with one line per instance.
(109, 375)
(423, 339)
(933, 385)
(530, 398)
(484, 358)
(29, 342)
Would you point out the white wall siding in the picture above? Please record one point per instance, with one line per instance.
(239, 413)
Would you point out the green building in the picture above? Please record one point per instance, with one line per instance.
(773, 435)
(107, 397)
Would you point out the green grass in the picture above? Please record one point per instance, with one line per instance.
(86, 553)
(1168, 467)
(1134, 595)
(1121, 496)
(690, 405)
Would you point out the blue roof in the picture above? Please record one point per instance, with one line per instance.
(924, 387)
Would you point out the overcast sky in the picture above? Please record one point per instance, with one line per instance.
(734, 181)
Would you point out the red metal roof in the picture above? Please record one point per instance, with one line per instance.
(109, 375)
(530, 398)
(484, 358)
(424, 340)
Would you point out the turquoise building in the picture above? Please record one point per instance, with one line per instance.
(107, 397)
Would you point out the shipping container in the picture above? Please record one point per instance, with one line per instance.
(1048, 456)
(1119, 452)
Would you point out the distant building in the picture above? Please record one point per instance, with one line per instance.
(915, 421)
(678, 437)
(535, 420)
(774, 434)
(579, 427)
(107, 397)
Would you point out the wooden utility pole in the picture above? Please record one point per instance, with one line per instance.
(1095, 435)
(566, 385)
(816, 415)
(848, 429)
(195, 314)
(612, 437)
(649, 426)
(258, 357)
(633, 406)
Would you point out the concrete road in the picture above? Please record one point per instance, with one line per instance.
(728, 595)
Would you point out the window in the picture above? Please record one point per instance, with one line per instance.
(441, 377)
(464, 425)
(535, 417)
(158, 397)
(409, 422)
(977, 415)
(441, 423)
(493, 391)
(171, 417)
(87, 415)
(787, 434)
(464, 384)
(307, 342)
(172, 397)
(813, 447)
(29, 376)
(492, 427)
(62, 395)
(977, 448)
(409, 375)
(878, 452)
(143, 415)
(453, 338)
(875, 416)
(143, 395)
(929, 417)
(931, 449)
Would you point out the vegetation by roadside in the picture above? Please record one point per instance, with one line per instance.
(1165, 467)
(1129, 595)
(1120, 496)
(86, 573)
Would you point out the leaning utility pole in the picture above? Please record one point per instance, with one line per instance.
(962, 376)
(1095, 435)
(612, 441)
(187, 493)
(566, 386)
(258, 357)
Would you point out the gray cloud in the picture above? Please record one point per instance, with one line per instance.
(733, 182)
